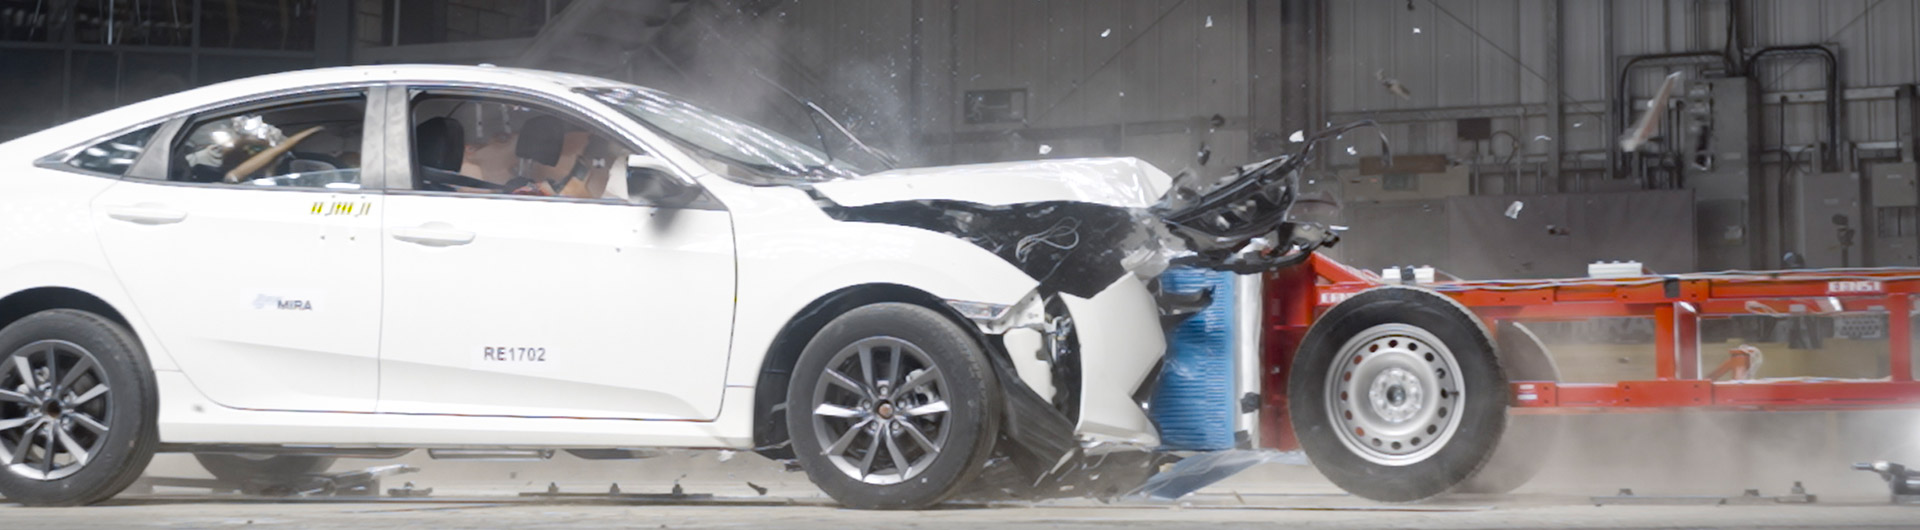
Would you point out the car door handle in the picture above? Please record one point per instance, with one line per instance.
(433, 235)
(146, 215)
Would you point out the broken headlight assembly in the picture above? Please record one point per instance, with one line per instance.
(1239, 224)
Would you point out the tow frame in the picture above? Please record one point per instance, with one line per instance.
(1297, 295)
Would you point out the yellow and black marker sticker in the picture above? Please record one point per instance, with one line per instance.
(348, 208)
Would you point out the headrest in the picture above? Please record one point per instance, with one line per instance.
(441, 143)
(541, 140)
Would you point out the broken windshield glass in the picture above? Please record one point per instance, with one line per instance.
(744, 151)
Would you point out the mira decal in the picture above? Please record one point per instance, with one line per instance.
(1855, 286)
(266, 302)
(341, 208)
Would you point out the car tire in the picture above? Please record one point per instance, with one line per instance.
(1529, 439)
(100, 419)
(908, 372)
(1396, 394)
(243, 468)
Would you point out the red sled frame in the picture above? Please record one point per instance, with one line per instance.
(1676, 303)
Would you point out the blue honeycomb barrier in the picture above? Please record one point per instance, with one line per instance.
(1194, 402)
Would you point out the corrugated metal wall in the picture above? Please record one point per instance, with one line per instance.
(1137, 77)
(1483, 53)
(1141, 78)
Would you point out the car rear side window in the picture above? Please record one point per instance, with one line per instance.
(113, 157)
(309, 143)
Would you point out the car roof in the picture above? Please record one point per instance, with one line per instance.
(86, 128)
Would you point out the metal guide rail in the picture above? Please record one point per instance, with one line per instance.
(1676, 303)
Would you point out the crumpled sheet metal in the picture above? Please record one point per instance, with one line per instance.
(1117, 182)
(1072, 247)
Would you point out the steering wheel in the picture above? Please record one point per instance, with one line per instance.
(285, 165)
(434, 179)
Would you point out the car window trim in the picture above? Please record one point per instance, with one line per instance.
(317, 96)
(402, 168)
(61, 160)
(63, 155)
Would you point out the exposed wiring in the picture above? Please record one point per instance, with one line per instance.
(1068, 228)
(1735, 276)
(1843, 29)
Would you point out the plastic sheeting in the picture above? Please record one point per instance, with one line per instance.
(1205, 469)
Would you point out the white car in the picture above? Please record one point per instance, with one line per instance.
(276, 271)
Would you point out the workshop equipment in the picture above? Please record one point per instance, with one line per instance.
(1903, 483)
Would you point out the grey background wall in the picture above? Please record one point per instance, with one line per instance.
(960, 81)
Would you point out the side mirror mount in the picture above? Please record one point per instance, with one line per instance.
(638, 161)
(651, 181)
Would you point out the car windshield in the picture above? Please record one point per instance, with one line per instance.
(751, 153)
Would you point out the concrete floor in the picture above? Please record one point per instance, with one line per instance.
(1524, 513)
(1654, 454)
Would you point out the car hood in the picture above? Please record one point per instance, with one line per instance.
(1118, 182)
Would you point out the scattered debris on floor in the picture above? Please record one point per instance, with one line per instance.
(613, 493)
(1751, 497)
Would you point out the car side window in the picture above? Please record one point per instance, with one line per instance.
(473, 144)
(114, 156)
(312, 142)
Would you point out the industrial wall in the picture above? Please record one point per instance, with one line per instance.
(994, 80)
(1495, 58)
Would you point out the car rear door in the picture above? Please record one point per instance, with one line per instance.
(539, 306)
(248, 238)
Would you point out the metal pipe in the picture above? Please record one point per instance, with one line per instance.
(1828, 154)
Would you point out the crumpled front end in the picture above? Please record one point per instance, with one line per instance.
(1096, 234)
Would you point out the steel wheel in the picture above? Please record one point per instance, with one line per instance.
(880, 412)
(54, 410)
(1396, 394)
(1393, 394)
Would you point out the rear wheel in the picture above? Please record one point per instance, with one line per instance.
(892, 406)
(1396, 394)
(77, 409)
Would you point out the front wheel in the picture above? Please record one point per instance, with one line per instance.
(892, 406)
(1396, 394)
(77, 409)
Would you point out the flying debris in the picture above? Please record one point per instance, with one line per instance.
(1393, 85)
(1650, 120)
(1045, 149)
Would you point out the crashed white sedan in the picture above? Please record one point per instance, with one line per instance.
(277, 271)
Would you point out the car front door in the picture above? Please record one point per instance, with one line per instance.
(247, 239)
(512, 290)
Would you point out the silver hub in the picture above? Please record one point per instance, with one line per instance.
(880, 412)
(54, 410)
(1396, 395)
(1393, 393)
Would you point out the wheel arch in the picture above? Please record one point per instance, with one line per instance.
(776, 369)
(18, 305)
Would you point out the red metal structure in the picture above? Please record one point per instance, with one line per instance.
(1676, 303)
